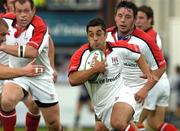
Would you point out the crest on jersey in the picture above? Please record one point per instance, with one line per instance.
(114, 60)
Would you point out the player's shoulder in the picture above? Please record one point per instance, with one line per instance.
(1, 15)
(126, 45)
(38, 22)
(81, 50)
(111, 29)
(142, 35)
(9, 16)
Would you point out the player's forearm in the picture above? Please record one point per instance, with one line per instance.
(158, 73)
(143, 65)
(27, 52)
(80, 77)
(51, 53)
(10, 49)
(7, 72)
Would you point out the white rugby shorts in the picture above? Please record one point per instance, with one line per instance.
(41, 90)
(125, 95)
(158, 95)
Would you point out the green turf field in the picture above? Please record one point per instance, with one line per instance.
(44, 129)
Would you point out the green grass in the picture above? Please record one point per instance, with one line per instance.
(45, 129)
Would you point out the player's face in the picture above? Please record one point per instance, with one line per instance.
(142, 21)
(24, 14)
(96, 37)
(9, 6)
(3, 32)
(125, 20)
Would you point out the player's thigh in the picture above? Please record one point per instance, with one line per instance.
(121, 112)
(51, 114)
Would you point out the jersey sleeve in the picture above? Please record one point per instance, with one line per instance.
(77, 61)
(38, 36)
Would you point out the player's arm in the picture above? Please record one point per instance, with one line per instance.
(152, 79)
(80, 77)
(26, 51)
(142, 93)
(28, 70)
(51, 58)
(146, 69)
(30, 49)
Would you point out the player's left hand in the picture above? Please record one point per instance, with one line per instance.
(33, 70)
(55, 75)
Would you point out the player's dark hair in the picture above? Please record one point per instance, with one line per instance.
(148, 11)
(96, 22)
(127, 4)
(4, 2)
(23, 1)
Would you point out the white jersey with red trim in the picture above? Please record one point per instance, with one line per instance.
(108, 85)
(131, 72)
(35, 35)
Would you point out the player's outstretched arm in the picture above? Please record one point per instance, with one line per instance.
(28, 70)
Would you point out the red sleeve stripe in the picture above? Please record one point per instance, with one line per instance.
(124, 44)
(33, 44)
(76, 59)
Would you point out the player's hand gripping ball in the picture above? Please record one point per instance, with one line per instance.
(90, 62)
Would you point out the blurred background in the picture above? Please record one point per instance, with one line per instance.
(67, 19)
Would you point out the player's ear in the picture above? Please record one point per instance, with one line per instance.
(34, 10)
(5, 7)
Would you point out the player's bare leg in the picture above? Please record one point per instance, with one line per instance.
(121, 115)
(52, 117)
(33, 116)
(9, 101)
(100, 126)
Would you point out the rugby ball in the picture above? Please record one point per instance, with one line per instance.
(90, 61)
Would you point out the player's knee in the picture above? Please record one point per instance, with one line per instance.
(100, 127)
(7, 104)
(34, 109)
(119, 125)
(53, 124)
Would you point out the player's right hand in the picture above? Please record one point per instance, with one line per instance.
(100, 67)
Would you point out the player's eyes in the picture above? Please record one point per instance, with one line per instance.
(91, 35)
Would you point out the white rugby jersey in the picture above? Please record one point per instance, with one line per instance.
(108, 85)
(131, 72)
(35, 35)
(4, 59)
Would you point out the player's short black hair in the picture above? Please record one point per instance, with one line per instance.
(96, 22)
(4, 2)
(127, 4)
(23, 1)
(148, 11)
